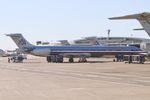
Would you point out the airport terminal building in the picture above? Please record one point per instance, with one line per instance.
(142, 43)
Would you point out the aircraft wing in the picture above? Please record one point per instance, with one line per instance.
(143, 18)
(133, 16)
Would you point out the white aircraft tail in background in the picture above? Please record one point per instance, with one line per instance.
(143, 18)
(20, 41)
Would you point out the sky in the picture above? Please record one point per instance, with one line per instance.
(51, 20)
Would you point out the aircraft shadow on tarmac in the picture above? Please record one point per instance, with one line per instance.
(72, 63)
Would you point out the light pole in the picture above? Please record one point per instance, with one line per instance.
(108, 34)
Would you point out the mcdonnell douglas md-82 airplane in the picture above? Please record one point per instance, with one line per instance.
(71, 51)
(143, 18)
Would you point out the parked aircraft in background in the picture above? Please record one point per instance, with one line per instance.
(2, 53)
(58, 52)
(13, 54)
(64, 42)
(143, 18)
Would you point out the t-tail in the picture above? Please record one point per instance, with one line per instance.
(143, 18)
(20, 41)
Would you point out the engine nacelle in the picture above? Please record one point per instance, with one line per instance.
(41, 52)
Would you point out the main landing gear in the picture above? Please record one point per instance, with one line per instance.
(71, 59)
(60, 59)
(81, 59)
(55, 58)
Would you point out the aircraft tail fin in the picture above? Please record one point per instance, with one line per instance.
(19, 40)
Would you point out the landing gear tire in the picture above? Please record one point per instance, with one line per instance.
(71, 60)
(48, 59)
(82, 60)
(55, 59)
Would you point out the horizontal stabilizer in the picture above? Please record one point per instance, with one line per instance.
(144, 15)
(138, 29)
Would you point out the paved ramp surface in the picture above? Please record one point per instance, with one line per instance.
(37, 80)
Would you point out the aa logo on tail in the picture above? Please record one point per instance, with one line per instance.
(22, 41)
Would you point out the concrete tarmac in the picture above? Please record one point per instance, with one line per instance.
(35, 79)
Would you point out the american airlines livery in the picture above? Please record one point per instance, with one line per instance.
(143, 18)
(69, 51)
